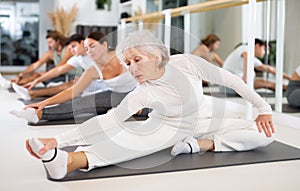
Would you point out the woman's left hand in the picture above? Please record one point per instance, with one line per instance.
(264, 123)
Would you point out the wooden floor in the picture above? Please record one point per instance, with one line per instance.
(19, 171)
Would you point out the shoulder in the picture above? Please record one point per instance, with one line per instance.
(112, 69)
(92, 72)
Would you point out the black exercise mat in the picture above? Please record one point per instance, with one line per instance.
(85, 116)
(272, 153)
(78, 120)
(220, 94)
(286, 108)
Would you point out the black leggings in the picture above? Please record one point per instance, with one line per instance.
(293, 93)
(91, 105)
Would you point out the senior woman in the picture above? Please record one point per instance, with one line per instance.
(171, 86)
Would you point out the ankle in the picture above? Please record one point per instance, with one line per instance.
(206, 145)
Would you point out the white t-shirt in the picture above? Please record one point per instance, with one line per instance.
(85, 62)
(298, 70)
(176, 98)
(123, 83)
(234, 62)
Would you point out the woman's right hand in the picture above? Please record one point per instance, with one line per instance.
(50, 143)
(37, 106)
(30, 85)
(16, 79)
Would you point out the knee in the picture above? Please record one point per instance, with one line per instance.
(293, 98)
(266, 141)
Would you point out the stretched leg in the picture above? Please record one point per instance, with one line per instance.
(111, 145)
(234, 135)
(4, 83)
(293, 93)
(96, 104)
(50, 91)
(58, 162)
(293, 98)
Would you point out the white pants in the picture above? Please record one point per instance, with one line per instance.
(129, 143)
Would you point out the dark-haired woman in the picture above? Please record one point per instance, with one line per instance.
(108, 68)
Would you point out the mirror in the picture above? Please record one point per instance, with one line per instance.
(19, 24)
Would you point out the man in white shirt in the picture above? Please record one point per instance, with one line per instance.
(236, 63)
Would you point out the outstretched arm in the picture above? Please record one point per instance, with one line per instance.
(84, 81)
(58, 70)
(220, 76)
(270, 69)
(218, 59)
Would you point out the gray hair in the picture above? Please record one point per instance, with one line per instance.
(145, 42)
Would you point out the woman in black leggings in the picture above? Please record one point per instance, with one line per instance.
(108, 68)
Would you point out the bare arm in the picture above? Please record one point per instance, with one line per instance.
(50, 74)
(270, 69)
(218, 59)
(203, 52)
(84, 81)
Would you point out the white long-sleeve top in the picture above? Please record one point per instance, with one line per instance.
(176, 98)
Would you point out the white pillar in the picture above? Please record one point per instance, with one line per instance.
(122, 31)
(250, 52)
(167, 39)
(187, 31)
(279, 53)
(140, 25)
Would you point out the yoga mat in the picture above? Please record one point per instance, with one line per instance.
(220, 94)
(83, 117)
(286, 108)
(272, 153)
(79, 120)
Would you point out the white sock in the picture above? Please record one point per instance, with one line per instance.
(23, 92)
(55, 160)
(4, 83)
(28, 114)
(188, 145)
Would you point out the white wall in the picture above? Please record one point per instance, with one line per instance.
(88, 13)
(45, 24)
(292, 39)
(227, 24)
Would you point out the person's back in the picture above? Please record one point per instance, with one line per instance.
(207, 49)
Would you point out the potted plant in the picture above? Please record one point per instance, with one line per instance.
(100, 4)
